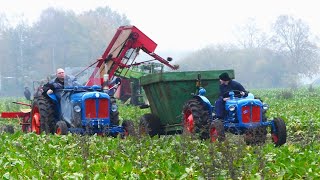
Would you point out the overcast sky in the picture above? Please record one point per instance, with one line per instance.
(177, 25)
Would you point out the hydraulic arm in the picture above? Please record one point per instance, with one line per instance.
(122, 52)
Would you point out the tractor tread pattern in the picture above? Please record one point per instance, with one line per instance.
(200, 115)
(151, 123)
(47, 112)
(281, 131)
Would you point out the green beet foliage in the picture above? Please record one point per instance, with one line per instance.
(26, 156)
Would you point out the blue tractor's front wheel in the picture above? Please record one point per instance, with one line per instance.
(128, 127)
(217, 131)
(61, 128)
(279, 132)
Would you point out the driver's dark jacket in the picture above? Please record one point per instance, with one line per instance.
(56, 84)
(232, 85)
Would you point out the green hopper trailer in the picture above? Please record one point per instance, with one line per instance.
(167, 92)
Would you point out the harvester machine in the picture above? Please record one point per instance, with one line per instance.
(92, 106)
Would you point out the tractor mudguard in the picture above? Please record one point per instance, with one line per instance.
(53, 97)
(207, 103)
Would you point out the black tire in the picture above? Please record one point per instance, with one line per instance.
(114, 118)
(217, 131)
(129, 129)
(196, 110)
(279, 134)
(114, 115)
(7, 129)
(45, 108)
(255, 136)
(150, 124)
(61, 128)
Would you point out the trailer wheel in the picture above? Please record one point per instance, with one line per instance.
(149, 124)
(279, 132)
(196, 118)
(61, 128)
(217, 131)
(42, 115)
(128, 126)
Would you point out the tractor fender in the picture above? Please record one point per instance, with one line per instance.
(53, 97)
(206, 102)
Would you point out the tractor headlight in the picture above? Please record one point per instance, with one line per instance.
(265, 106)
(77, 108)
(114, 107)
(232, 108)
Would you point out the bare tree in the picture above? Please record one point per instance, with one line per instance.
(292, 39)
(250, 36)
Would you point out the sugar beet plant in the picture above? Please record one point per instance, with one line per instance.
(26, 156)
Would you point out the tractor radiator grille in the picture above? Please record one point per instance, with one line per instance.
(96, 108)
(251, 114)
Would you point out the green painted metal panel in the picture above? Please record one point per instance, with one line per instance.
(167, 92)
(131, 74)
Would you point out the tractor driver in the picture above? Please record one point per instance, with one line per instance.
(227, 85)
(56, 86)
(58, 83)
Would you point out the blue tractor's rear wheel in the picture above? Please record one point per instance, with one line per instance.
(196, 119)
(42, 115)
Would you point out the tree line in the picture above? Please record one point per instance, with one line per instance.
(64, 39)
(280, 58)
(58, 39)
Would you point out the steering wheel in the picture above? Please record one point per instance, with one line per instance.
(237, 93)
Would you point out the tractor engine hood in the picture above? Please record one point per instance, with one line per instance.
(244, 102)
(73, 106)
(80, 96)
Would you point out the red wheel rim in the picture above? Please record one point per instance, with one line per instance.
(126, 133)
(213, 134)
(275, 138)
(58, 131)
(188, 121)
(35, 122)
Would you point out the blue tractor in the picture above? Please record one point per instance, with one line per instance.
(243, 116)
(80, 109)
